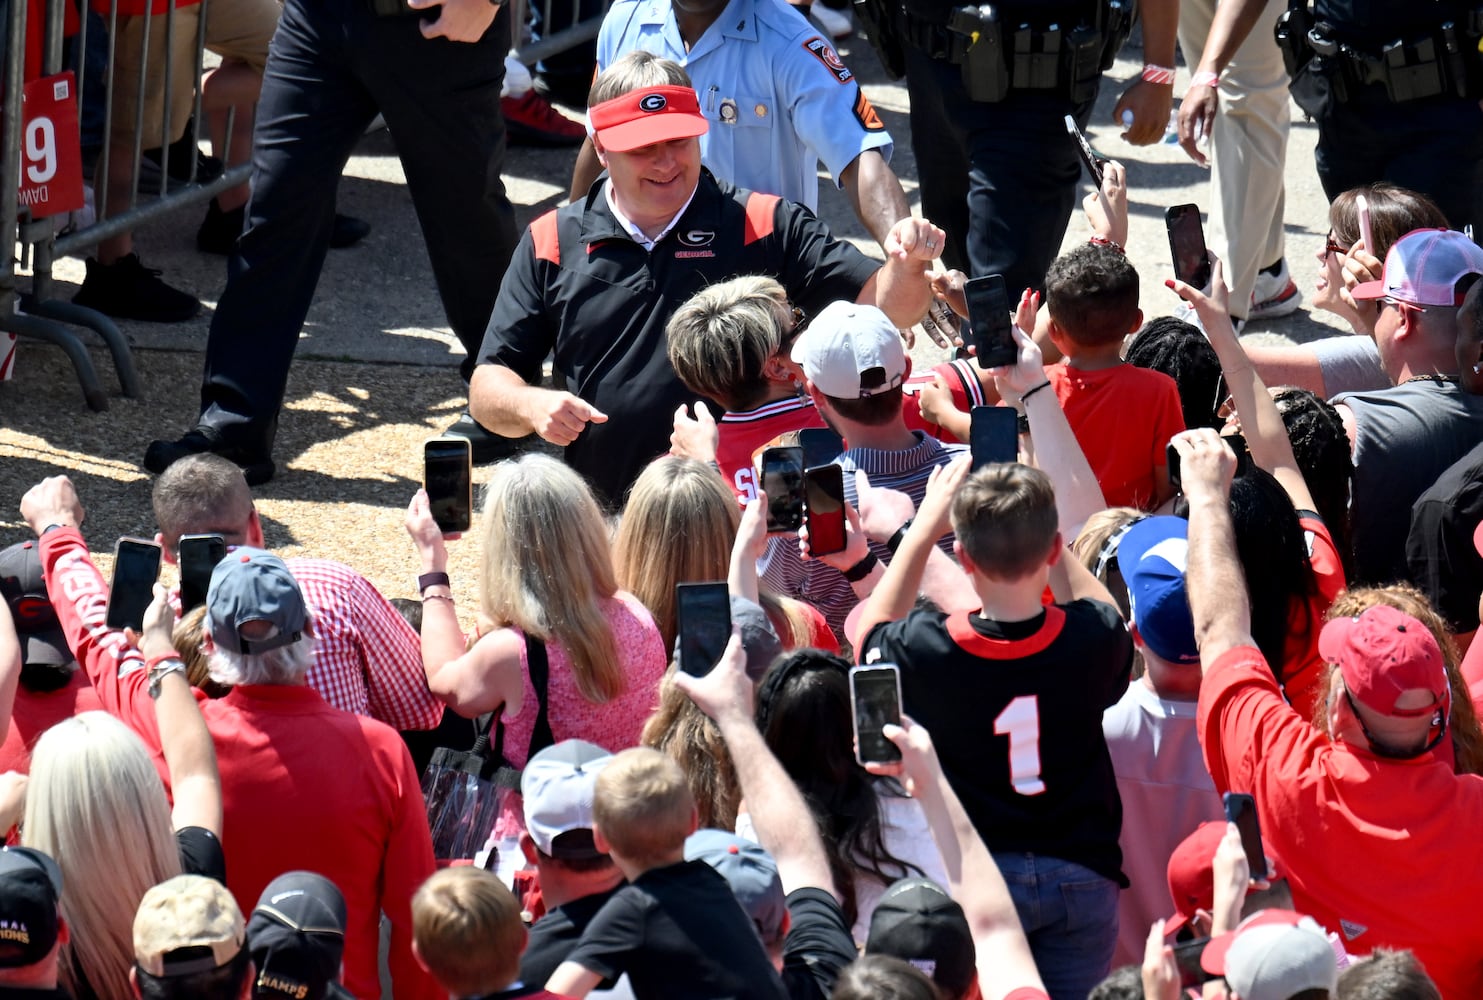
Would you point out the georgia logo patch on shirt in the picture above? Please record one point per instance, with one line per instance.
(824, 52)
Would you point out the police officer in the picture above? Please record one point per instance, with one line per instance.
(1394, 86)
(776, 94)
(990, 87)
(433, 68)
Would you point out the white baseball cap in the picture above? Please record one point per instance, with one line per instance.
(557, 786)
(851, 351)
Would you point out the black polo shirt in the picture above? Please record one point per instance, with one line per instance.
(1015, 711)
(580, 285)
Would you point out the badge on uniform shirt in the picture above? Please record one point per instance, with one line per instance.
(824, 52)
(728, 111)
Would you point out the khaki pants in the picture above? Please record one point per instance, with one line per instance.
(235, 29)
(1248, 148)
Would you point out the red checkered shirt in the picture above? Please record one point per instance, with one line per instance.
(367, 659)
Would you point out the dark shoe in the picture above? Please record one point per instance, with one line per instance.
(564, 89)
(126, 289)
(532, 121)
(219, 231)
(180, 155)
(486, 446)
(160, 455)
(348, 231)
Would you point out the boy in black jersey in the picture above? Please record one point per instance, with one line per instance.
(675, 929)
(1014, 694)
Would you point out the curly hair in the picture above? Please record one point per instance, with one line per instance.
(1321, 447)
(1180, 351)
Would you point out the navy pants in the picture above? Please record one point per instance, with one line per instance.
(331, 66)
(1434, 146)
(1001, 178)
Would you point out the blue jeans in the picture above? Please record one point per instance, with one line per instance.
(1069, 913)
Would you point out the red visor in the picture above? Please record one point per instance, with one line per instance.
(647, 116)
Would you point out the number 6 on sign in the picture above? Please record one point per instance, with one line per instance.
(1020, 721)
(51, 168)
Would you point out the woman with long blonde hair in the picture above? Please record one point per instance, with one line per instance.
(546, 574)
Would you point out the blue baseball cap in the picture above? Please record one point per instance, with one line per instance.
(750, 871)
(1153, 556)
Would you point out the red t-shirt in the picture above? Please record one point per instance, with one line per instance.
(1378, 849)
(37, 711)
(743, 436)
(1302, 666)
(1123, 418)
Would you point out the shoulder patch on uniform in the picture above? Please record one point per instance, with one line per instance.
(865, 113)
(824, 52)
(547, 241)
(761, 210)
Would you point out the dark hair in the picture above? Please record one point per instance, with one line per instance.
(872, 411)
(1180, 351)
(1274, 559)
(224, 982)
(1321, 446)
(1387, 975)
(803, 711)
(45, 677)
(1091, 292)
(1124, 983)
(1394, 212)
(583, 866)
(882, 977)
(1317, 993)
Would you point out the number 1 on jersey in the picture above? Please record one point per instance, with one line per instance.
(1020, 721)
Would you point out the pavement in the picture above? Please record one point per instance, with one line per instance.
(376, 302)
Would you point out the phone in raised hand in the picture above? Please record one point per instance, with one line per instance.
(990, 329)
(136, 566)
(875, 701)
(1187, 245)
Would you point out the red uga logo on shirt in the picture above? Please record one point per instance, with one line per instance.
(824, 52)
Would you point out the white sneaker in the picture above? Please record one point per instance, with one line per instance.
(1275, 295)
(836, 22)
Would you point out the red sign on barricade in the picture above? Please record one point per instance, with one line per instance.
(51, 157)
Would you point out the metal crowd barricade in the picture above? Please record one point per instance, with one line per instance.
(44, 315)
(48, 318)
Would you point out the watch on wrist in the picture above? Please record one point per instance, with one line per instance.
(894, 542)
(432, 580)
(862, 569)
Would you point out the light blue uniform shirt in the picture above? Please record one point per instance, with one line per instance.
(777, 96)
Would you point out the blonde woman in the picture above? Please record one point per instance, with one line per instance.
(681, 526)
(547, 574)
(95, 803)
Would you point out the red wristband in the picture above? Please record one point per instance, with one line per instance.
(1163, 75)
(1205, 79)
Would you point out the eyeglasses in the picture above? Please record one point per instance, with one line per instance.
(1330, 247)
(1222, 406)
(1402, 306)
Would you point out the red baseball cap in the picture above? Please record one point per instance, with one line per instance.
(1383, 655)
(1191, 873)
(646, 116)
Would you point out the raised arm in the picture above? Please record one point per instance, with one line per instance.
(784, 824)
(1004, 959)
(189, 753)
(902, 287)
(1266, 434)
(875, 193)
(1215, 582)
(10, 667)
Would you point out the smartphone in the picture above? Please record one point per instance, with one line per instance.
(782, 481)
(875, 700)
(1241, 810)
(1187, 958)
(1171, 456)
(989, 326)
(1187, 245)
(1091, 160)
(1362, 209)
(448, 477)
(136, 566)
(198, 555)
(703, 618)
(824, 487)
(820, 446)
(993, 435)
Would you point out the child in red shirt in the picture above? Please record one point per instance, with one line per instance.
(1123, 416)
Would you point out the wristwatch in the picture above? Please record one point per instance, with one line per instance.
(432, 580)
(157, 673)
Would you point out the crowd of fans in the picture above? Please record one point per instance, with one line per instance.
(1215, 570)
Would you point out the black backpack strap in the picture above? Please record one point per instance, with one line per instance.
(541, 736)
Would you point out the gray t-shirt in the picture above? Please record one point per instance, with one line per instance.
(1349, 364)
(1406, 437)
